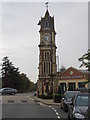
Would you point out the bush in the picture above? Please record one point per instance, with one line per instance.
(46, 96)
(57, 98)
(39, 96)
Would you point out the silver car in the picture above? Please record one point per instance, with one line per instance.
(79, 106)
(10, 91)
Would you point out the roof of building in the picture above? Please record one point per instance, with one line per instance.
(73, 73)
(84, 71)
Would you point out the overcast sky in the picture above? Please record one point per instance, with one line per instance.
(20, 33)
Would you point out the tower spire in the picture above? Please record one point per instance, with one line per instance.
(46, 5)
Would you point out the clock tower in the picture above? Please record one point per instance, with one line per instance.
(47, 82)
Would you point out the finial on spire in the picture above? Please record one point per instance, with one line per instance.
(46, 5)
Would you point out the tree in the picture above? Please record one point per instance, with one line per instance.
(25, 83)
(10, 74)
(33, 86)
(7, 67)
(11, 77)
(85, 59)
(63, 68)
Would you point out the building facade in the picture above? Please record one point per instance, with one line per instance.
(72, 78)
(47, 82)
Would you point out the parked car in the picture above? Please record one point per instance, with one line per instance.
(77, 109)
(10, 91)
(87, 114)
(67, 99)
(82, 89)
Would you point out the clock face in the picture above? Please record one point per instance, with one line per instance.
(46, 37)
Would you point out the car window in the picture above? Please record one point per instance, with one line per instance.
(5, 89)
(83, 100)
(9, 88)
(70, 94)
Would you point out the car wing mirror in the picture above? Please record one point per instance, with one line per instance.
(71, 103)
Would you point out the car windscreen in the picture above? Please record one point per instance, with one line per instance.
(70, 94)
(83, 100)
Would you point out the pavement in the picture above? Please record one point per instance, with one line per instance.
(45, 101)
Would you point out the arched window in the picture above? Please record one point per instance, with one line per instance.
(44, 67)
(47, 66)
(47, 56)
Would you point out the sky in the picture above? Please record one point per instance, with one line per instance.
(19, 36)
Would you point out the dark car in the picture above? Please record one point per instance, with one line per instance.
(77, 109)
(67, 99)
(82, 89)
(10, 91)
(87, 114)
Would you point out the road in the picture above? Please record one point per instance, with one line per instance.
(23, 106)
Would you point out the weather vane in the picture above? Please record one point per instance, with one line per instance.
(47, 5)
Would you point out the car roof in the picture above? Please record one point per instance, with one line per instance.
(72, 91)
(7, 88)
(84, 94)
(82, 88)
